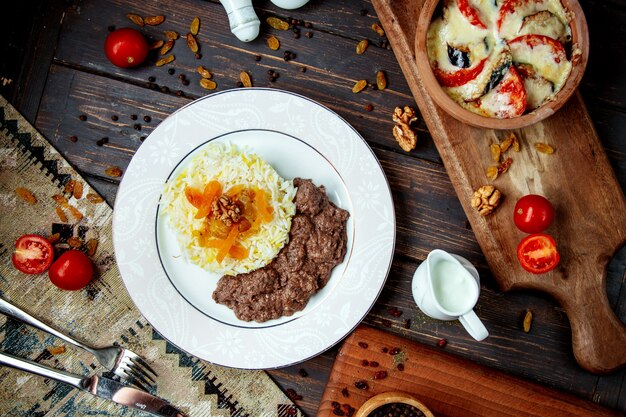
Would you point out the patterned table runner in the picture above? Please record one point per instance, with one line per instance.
(100, 314)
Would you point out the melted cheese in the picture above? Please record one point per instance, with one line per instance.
(512, 23)
(544, 61)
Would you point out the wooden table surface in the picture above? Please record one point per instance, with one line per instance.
(54, 69)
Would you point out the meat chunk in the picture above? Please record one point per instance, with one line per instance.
(317, 243)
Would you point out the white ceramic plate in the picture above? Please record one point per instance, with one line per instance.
(299, 138)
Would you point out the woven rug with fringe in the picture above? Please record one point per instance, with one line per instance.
(41, 193)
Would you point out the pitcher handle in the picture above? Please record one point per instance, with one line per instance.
(474, 326)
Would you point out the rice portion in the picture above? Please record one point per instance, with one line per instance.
(229, 166)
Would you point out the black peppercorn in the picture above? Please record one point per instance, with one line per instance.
(114, 118)
(171, 71)
(142, 138)
(308, 25)
(102, 141)
(303, 69)
(309, 35)
(165, 89)
(82, 117)
(364, 12)
(133, 117)
(185, 81)
(73, 138)
(180, 93)
(181, 76)
(147, 119)
(137, 126)
(151, 79)
(111, 28)
(198, 56)
(257, 58)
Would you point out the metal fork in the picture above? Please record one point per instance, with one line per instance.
(126, 364)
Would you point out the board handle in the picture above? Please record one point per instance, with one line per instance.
(598, 335)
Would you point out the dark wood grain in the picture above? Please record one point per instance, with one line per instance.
(429, 212)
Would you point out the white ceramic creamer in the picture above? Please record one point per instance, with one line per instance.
(446, 287)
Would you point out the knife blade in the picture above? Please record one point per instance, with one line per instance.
(100, 386)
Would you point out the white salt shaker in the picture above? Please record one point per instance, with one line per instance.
(289, 4)
(244, 23)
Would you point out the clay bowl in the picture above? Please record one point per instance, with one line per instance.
(580, 37)
(388, 398)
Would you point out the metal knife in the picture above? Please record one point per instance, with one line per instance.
(97, 385)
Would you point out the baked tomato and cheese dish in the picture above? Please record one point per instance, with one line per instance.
(500, 58)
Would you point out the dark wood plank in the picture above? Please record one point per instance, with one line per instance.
(333, 72)
(47, 17)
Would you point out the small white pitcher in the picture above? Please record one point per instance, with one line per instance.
(446, 287)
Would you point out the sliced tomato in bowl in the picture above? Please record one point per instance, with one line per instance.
(460, 77)
(507, 100)
(33, 254)
(470, 13)
(537, 253)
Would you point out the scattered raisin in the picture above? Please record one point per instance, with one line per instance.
(365, 362)
(400, 367)
(360, 384)
(373, 364)
(363, 345)
(369, 107)
(102, 141)
(309, 35)
(442, 343)
(380, 374)
(345, 392)
(293, 395)
(394, 351)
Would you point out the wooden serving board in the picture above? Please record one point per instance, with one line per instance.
(448, 385)
(590, 223)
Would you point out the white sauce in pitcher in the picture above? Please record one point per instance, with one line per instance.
(452, 287)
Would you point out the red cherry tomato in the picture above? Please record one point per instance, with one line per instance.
(72, 271)
(33, 254)
(126, 47)
(537, 253)
(533, 213)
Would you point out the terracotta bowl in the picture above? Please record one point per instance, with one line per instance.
(388, 398)
(580, 37)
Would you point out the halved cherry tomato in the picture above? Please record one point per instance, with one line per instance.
(537, 253)
(33, 254)
(72, 271)
(470, 14)
(460, 77)
(533, 213)
(126, 47)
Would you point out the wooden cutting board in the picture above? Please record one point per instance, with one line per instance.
(590, 223)
(448, 385)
